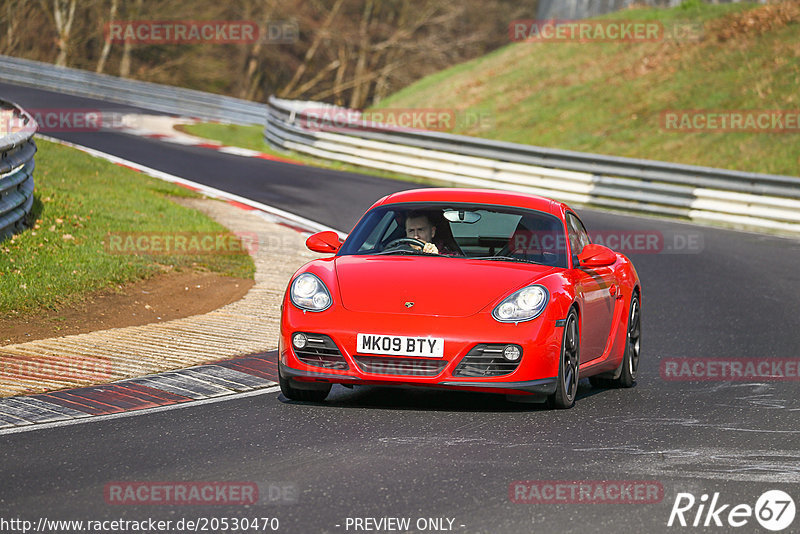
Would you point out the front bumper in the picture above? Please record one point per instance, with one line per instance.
(536, 373)
(544, 386)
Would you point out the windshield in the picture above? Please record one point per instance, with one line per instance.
(475, 231)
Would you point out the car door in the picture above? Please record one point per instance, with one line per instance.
(594, 292)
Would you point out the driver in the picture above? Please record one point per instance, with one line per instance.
(419, 226)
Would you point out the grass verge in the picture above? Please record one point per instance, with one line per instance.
(609, 97)
(79, 200)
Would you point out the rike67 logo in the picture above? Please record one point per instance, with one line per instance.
(774, 510)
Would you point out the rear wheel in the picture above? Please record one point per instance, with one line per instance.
(567, 386)
(318, 394)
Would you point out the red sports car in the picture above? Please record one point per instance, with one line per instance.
(467, 289)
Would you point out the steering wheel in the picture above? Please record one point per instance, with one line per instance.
(404, 241)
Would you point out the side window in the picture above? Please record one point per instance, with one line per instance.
(578, 237)
(382, 229)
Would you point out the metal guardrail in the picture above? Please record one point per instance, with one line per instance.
(158, 97)
(16, 167)
(704, 194)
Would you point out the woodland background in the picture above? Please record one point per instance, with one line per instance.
(348, 52)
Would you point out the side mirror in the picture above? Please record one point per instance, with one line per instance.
(325, 242)
(596, 256)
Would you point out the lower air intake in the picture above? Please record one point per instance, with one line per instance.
(321, 351)
(400, 366)
(487, 360)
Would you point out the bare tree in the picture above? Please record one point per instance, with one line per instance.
(112, 15)
(62, 16)
(252, 75)
(125, 63)
(322, 32)
(352, 52)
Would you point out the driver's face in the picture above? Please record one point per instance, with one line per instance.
(420, 228)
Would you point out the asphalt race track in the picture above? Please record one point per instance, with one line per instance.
(402, 453)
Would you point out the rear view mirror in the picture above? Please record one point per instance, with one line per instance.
(325, 242)
(462, 216)
(596, 256)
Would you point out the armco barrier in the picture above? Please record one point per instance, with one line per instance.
(704, 194)
(164, 98)
(16, 167)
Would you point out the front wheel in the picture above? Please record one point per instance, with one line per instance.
(630, 359)
(630, 362)
(567, 387)
(318, 394)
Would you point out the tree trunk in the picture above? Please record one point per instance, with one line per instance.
(298, 74)
(112, 14)
(340, 72)
(361, 89)
(125, 64)
(63, 16)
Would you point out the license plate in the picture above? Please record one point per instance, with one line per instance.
(431, 347)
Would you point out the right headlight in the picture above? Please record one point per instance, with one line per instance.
(309, 293)
(523, 305)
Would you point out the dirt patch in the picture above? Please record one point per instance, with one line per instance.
(757, 21)
(161, 298)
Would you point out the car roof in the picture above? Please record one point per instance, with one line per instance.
(478, 196)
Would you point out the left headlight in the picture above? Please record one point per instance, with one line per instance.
(309, 293)
(523, 305)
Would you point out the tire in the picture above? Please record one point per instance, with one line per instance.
(568, 365)
(309, 395)
(630, 361)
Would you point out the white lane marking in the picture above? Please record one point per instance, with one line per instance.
(145, 411)
(238, 151)
(206, 190)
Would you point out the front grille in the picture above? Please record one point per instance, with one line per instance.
(486, 360)
(400, 366)
(321, 351)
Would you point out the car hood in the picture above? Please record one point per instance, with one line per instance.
(452, 287)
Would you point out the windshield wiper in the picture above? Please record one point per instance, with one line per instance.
(402, 251)
(506, 258)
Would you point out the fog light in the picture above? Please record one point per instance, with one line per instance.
(299, 340)
(511, 353)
